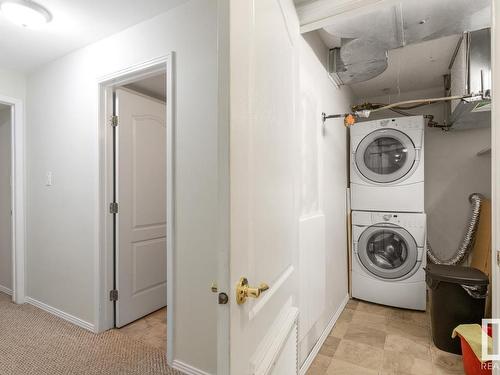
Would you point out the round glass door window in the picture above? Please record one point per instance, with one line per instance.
(386, 155)
(387, 252)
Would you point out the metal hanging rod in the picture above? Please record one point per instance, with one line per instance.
(364, 110)
(349, 118)
(325, 117)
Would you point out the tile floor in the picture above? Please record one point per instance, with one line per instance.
(373, 339)
(151, 329)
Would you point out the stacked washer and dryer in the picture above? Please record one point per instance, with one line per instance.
(388, 219)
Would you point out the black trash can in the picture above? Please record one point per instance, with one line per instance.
(457, 296)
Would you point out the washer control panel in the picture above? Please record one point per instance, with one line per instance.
(400, 219)
(385, 217)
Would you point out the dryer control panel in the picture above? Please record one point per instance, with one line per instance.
(402, 123)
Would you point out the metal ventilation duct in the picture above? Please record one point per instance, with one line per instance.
(366, 37)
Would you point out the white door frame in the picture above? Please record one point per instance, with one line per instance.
(223, 242)
(495, 174)
(104, 256)
(18, 198)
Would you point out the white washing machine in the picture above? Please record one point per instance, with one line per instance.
(387, 165)
(388, 258)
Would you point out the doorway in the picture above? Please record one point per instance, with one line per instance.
(12, 199)
(6, 265)
(140, 210)
(139, 206)
(135, 265)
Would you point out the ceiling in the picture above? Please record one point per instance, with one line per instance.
(314, 14)
(366, 35)
(414, 67)
(152, 86)
(75, 24)
(392, 46)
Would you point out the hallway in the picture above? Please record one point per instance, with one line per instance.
(33, 342)
(373, 339)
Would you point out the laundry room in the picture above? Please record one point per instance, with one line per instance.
(419, 175)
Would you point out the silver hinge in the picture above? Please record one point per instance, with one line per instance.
(114, 120)
(113, 295)
(113, 208)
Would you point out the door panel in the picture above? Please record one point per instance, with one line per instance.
(263, 152)
(149, 172)
(149, 259)
(141, 187)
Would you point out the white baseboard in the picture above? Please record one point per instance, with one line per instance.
(5, 290)
(310, 358)
(61, 314)
(187, 369)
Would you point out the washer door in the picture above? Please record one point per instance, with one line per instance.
(385, 155)
(387, 252)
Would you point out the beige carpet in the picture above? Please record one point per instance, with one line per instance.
(33, 342)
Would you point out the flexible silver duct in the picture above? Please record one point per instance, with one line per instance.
(468, 240)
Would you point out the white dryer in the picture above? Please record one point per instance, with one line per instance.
(387, 165)
(388, 258)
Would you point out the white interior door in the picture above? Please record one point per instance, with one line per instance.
(263, 175)
(141, 221)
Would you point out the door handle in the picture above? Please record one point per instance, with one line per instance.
(244, 291)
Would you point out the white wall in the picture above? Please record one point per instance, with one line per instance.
(324, 183)
(5, 199)
(452, 172)
(12, 84)
(62, 137)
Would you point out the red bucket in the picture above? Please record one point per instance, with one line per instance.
(472, 365)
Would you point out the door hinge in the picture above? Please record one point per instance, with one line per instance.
(113, 208)
(113, 295)
(498, 257)
(114, 121)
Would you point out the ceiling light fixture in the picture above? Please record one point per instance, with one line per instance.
(25, 12)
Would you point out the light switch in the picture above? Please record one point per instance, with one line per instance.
(48, 179)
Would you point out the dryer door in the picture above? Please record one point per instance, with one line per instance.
(389, 252)
(385, 155)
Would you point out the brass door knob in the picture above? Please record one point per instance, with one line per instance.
(243, 291)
